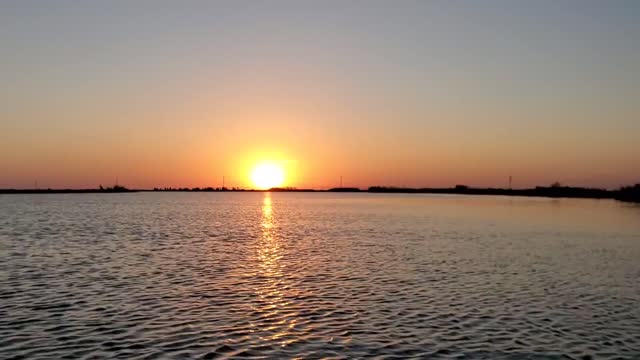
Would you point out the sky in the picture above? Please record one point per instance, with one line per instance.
(396, 93)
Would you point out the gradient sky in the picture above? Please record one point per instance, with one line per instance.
(404, 93)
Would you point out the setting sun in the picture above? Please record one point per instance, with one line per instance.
(267, 175)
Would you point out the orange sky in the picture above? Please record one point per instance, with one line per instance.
(416, 94)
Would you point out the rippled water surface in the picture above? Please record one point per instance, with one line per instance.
(316, 275)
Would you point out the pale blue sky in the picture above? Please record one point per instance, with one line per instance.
(432, 92)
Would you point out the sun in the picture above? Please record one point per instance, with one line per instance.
(267, 175)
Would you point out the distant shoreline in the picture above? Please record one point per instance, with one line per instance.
(629, 194)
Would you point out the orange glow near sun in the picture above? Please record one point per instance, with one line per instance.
(268, 175)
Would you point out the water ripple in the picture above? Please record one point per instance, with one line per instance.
(210, 276)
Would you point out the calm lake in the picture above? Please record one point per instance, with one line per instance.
(315, 275)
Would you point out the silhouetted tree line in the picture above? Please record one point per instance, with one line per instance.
(629, 193)
(100, 189)
(114, 189)
(206, 189)
(196, 189)
(289, 188)
(556, 190)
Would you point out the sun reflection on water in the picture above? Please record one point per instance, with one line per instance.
(280, 321)
(269, 248)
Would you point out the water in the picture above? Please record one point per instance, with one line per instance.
(310, 275)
